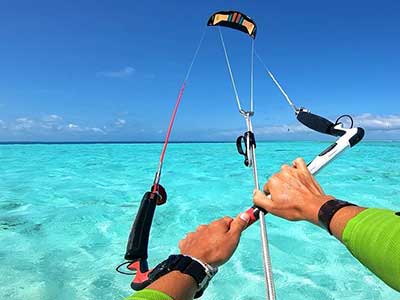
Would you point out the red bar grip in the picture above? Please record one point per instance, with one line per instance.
(254, 213)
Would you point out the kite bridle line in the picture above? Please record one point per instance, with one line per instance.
(277, 83)
(250, 161)
(137, 247)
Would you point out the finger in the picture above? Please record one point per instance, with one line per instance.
(180, 245)
(262, 200)
(286, 171)
(274, 181)
(300, 164)
(239, 224)
(222, 223)
(225, 221)
(285, 167)
(201, 227)
(265, 188)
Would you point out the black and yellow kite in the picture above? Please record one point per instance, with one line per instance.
(235, 20)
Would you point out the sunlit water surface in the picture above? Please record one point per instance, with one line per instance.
(66, 211)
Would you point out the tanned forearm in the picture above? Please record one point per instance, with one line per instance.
(177, 285)
(341, 218)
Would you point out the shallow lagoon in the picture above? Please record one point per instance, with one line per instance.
(66, 210)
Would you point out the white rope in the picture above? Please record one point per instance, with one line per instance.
(277, 84)
(195, 55)
(230, 70)
(252, 77)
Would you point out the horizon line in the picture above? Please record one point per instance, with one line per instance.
(162, 142)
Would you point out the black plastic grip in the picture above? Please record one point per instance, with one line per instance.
(358, 137)
(317, 123)
(139, 237)
(239, 145)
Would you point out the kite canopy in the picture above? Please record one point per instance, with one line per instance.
(234, 19)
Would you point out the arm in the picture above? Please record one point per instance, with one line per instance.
(174, 285)
(371, 235)
(214, 251)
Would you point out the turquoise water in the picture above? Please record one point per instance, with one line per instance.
(66, 210)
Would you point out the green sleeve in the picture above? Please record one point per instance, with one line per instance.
(148, 294)
(373, 237)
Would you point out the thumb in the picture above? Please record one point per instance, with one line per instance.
(239, 224)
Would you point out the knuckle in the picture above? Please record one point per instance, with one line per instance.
(273, 180)
(258, 199)
(201, 227)
(285, 167)
(226, 218)
(256, 195)
(299, 160)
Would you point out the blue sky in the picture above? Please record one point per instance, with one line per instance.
(111, 70)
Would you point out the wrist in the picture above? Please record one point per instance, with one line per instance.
(182, 267)
(313, 207)
(342, 217)
(176, 285)
(329, 210)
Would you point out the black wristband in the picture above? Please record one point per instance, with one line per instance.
(328, 210)
(200, 272)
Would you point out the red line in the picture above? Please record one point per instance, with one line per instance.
(171, 122)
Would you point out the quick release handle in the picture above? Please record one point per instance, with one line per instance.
(317, 123)
(139, 236)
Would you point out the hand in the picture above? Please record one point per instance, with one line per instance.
(215, 243)
(294, 194)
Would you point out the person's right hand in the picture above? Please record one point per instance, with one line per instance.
(293, 194)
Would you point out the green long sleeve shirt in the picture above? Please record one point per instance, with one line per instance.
(149, 294)
(373, 237)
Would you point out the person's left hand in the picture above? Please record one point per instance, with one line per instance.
(215, 243)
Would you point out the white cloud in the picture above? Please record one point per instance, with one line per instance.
(24, 123)
(270, 130)
(120, 123)
(377, 127)
(54, 124)
(389, 124)
(377, 122)
(97, 130)
(74, 127)
(52, 118)
(367, 121)
(77, 128)
(51, 122)
(123, 73)
(283, 129)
